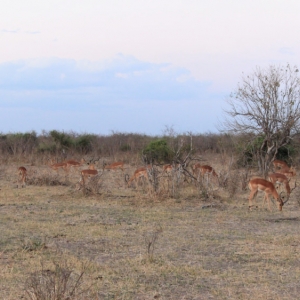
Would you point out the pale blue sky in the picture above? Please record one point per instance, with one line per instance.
(134, 66)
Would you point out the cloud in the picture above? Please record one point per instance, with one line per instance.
(286, 50)
(10, 31)
(32, 32)
(123, 77)
(19, 31)
(122, 94)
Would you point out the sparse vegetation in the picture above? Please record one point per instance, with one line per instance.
(104, 243)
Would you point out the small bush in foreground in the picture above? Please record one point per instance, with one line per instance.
(61, 282)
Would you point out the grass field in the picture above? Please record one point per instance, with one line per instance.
(128, 245)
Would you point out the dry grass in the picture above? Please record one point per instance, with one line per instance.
(134, 246)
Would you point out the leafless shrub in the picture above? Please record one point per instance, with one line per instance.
(205, 188)
(223, 178)
(245, 176)
(92, 187)
(61, 282)
(150, 240)
(47, 179)
(232, 183)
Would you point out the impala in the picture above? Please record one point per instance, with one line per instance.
(167, 168)
(138, 173)
(22, 173)
(279, 164)
(58, 166)
(281, 179)
(73, 163)
(283, 168)
(114, 166)
(203, 170)
(87, 173)
(288, 172)
(260, 184)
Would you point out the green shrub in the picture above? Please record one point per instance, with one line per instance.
(158, 151)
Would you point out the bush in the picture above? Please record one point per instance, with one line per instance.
(84, 143)
(60, 282)
(157, 152)
(62, 139)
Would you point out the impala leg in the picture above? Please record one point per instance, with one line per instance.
(24, 180)
(19, 179)
(252, 195)
(269, 201)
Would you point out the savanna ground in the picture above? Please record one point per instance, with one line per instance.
(128, 244)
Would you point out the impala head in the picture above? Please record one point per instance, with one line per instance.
(281, 200)
(281, 203)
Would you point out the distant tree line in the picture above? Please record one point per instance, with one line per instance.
(54, 142)
(158, 149)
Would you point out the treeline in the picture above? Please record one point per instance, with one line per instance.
(54, 142)
(69, 144)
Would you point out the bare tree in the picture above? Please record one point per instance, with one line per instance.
(266, 104)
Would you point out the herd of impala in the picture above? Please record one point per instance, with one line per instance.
(282, 175)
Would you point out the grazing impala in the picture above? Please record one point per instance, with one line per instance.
(114, 166)
(22, 173)
(138, 173)
(281, 179)
(57, 166)
(260, 184)
(87, 173)
(203, 170)
(74, 164)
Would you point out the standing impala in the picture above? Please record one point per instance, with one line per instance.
(22, 173)
(260, 184)
(282, 167)
(289, 172)
(279, 164)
